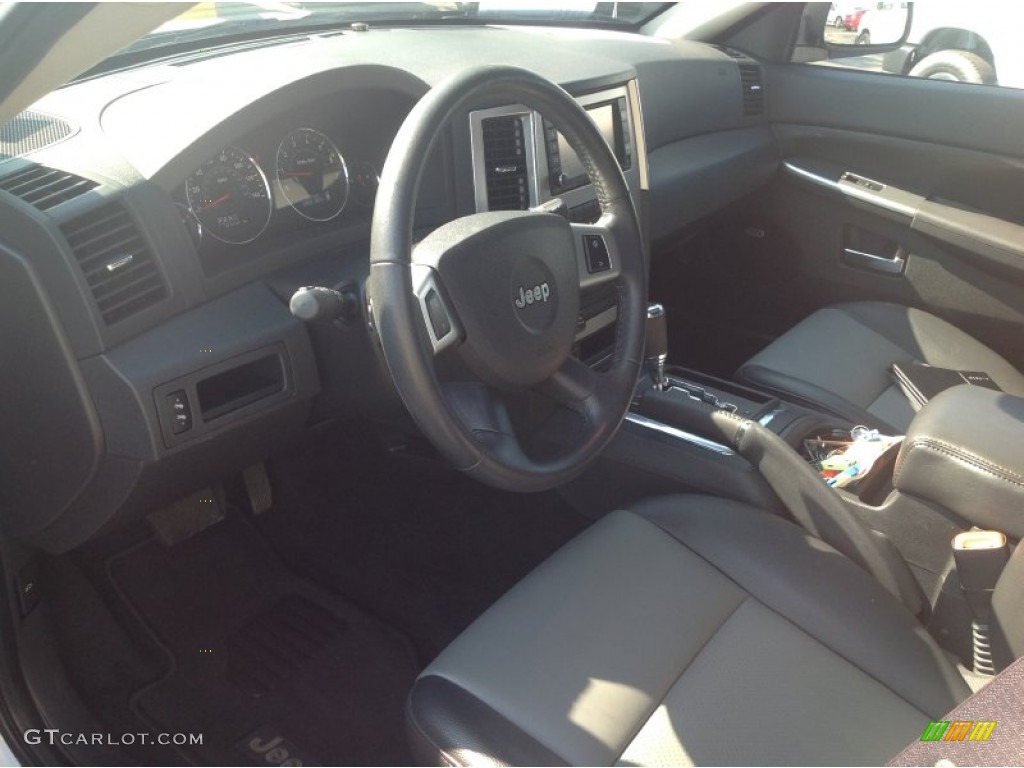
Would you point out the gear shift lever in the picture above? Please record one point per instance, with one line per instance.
(656, 346)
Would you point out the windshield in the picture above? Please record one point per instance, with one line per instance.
(213, 22)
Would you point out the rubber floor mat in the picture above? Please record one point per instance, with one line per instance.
(265, 666)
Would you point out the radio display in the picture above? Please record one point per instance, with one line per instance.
(566, 169)
(605, 118)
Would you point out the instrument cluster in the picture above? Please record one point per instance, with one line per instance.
(295, 178)
(235, 194)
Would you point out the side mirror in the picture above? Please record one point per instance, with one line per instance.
(866, 28)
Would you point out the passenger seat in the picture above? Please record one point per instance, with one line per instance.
(840, 360)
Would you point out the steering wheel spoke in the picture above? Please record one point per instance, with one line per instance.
(442, 324)
(573, 384)
(484, 413)
(597, 253)
(480, 408)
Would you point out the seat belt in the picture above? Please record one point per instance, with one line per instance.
(986, 729)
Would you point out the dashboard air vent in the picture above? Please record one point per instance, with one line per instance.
(753, 88)
(505, 163)
(44, 187)
(118, 266)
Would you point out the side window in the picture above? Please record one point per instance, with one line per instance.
(948, 40)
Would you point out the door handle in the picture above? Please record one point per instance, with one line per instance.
(886, 265)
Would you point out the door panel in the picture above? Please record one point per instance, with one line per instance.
(947, 210)
(985, 118)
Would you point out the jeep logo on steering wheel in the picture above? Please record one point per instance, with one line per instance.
(527, 296)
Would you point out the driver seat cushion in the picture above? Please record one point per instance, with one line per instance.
(840, 359)
(690, 630)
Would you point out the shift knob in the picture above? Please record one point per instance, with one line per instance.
(656, 345)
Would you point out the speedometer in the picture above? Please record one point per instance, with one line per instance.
(312, 174)
(230, 197)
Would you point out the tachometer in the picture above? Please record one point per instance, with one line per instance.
(230, 196)
(312, 174)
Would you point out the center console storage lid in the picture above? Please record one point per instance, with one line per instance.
(963, 452)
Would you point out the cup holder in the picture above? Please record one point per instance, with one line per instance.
(857, 459)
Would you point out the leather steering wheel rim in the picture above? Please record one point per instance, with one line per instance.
(467, 423)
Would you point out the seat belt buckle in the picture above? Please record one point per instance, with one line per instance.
(980, 557)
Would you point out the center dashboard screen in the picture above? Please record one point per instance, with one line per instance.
(566, 169)
(604, 117)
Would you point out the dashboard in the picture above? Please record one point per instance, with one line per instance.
(155, 222)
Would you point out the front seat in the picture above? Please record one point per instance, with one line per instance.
(689, 630)
(840, 359)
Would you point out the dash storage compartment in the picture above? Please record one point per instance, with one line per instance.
(235, 388)
(194, 405)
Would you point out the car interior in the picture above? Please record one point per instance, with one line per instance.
(468, 390)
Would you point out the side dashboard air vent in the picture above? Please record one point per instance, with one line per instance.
(505, 163)
(753, 88)
(117, 264)
(45, 187)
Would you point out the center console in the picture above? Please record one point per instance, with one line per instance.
(680, 398)
(664, 445)
(958, 467)
(667, 443)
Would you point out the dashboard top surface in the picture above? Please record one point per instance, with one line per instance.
(156, 113)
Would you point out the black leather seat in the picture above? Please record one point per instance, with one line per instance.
(689, 630)
(840, 359)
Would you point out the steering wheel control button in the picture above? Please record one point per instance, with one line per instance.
(179, 412)
(438, 315)
(596, 250)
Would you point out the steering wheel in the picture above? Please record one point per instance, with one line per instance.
(501, 290)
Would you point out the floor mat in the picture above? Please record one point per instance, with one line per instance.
(264, 665)
(425, 549)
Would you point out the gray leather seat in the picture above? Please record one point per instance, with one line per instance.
(690, 630)
(840, 359)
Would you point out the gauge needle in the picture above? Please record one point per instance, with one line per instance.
(216, 202)
(300, 173)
